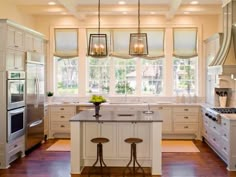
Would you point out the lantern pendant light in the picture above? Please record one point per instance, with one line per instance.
(138, 45)
(98, 42)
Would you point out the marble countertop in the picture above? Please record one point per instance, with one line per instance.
(125, 104)
(109, 116)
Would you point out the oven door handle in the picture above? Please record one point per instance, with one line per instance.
(17, 111)
(35, 123)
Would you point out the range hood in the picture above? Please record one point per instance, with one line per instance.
(225, 60)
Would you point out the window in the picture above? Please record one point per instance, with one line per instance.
(125, 76)
(152, 76)
(66, 75)
(185, 76)
(98, 75)
(66, 61)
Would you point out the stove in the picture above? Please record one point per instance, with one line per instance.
(214, 113)
(225, 110)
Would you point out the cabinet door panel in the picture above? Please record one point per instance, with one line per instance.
(125, 130)
(91, 131)
(108, 130)
(142, 131)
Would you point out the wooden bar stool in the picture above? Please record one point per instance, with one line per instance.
(99, 141)
(133, 157)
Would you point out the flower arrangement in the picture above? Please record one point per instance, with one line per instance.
(97, 99)
(49, 94)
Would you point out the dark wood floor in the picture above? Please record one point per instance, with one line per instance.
(41, 163)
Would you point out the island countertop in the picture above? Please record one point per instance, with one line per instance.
(116, 116)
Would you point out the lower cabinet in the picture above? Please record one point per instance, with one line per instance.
(106, 130)
(117, 133)
(59, 125)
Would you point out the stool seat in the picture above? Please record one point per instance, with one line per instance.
(99, 140)
(133, 140)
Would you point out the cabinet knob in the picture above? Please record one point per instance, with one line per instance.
(186, 117)
(224, 123)
(62, 116)
(185, 109)
(16, 46)
(15, 145)
(185, 126)
(62, 126)
(224, 148)
(61, 108)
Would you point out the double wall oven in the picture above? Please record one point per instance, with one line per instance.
(15, 104)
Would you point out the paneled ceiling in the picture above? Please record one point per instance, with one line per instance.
(83, 8)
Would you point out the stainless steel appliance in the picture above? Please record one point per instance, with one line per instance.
(16, 89)
(35, 94)
(15, 123)
(215, 113)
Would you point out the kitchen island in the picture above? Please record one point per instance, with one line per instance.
(116, 126)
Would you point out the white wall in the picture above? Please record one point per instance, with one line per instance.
(8, 10)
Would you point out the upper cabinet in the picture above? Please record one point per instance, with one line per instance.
(33, 43)
(15, 41)
(15, 38)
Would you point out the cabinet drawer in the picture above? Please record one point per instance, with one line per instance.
(224, 149)
(63, 109)
(185, 127)
(225, 135)
(60, 126)
(186, 118)
(216, 128)
(225, 124)
(186, 109)
(61, 117)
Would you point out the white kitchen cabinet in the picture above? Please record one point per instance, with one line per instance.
(33, 43)
(165, 114)
(15, 60)
(100, 129)
(138, 130)
(186, 120)
(59, 117)
(15, 38)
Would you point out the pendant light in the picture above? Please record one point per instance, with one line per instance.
(98, 42)
(138, 41)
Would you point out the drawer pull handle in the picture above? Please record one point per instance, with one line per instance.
(185, 109)
(62, 126)
(185, 126)
(224, 123)
(214, 139)
(224, 148)
(61, 108)
(124, 115)
(160, 107)
(225, 135)
(15, 145)
(62, 116)
(16, 46)
(186, 117)
(214, 127)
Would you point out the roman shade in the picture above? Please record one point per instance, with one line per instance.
(66, 42)
(185, 42)
(120, 43)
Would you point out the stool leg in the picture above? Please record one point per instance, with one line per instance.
(135, 160)
(101, 156)
(97, 156)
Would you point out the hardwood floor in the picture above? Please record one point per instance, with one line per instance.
(42, 163)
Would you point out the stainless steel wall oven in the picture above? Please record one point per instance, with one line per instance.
(15, 123)
(15, 89)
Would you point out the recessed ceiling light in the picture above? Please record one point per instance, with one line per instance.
(51, 3)
(186, 13)
(121, 2)
(152, 13)
(194, 2)
(124, 13)
(64, 13)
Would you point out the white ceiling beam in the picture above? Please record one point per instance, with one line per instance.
(71, 6)
(174, 6)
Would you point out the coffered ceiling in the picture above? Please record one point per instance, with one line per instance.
(83, 8)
